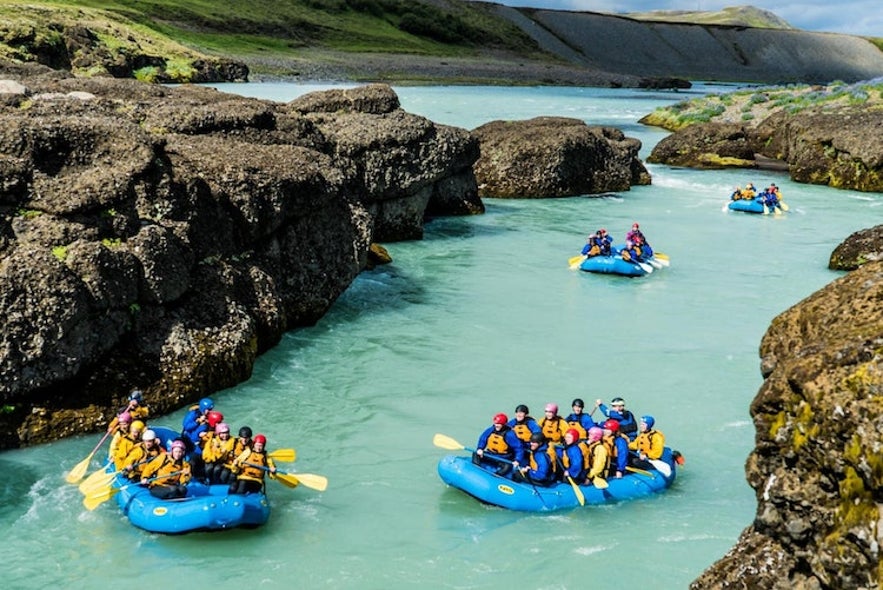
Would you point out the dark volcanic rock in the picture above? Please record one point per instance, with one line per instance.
(860, 248)
(555, 157)
(162, 238)
(816, 468)
(840, 147)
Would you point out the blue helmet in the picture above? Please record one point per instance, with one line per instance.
(206, 404)
(648, 420)
(136, 396)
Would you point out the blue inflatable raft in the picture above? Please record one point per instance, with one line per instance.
(613, 264)
(460, 472)
(204, 508)
(746, 206)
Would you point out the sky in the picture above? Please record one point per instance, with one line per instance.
(853, 17)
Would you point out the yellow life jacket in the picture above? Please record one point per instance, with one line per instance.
(579, 428)
(165, 464)
(217, 450)
(596, 458)
(553, 429)
(139, 456)
(124, 446)
(496, 443)
(522, 430)
(244, 471)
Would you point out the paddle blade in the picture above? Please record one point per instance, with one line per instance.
(79, 470)
(96, 482)
(287, 479)
(661, 466)
(580, 497)
(766, 210)
(284, 455)
(316, 482)
(575, 261)
(93, 501)
(645, 267)
(446, 442)
(641, 471)
(600, 483)
(784, 205)
(661, 256)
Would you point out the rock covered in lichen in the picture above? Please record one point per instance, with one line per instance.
(859, 248)
(817, 468)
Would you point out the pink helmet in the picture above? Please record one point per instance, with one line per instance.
(595, 433)
(500, 419)
(222, 428)
(179, 444)
(125, 417)
(552, 408)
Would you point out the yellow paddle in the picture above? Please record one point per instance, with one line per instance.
(79, 470)
(316, 482)
(575, 261)
(600, 483)
(284, 455)
(641, 471)
(580, 497)
(98, 480)
(99, 497)
(784, 205)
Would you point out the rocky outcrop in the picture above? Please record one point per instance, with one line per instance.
(555, 157)
(817, 468)
(839, 147)
(860, 248)
(93, 43)
(162, 238)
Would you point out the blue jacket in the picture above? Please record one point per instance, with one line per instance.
(621, 444)
(544, 473)
(627, 423)
(575, 459)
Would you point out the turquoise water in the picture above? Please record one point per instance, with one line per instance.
(482, 315)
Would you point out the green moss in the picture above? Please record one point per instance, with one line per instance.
(863, 380)
(60, 252)
(111, 243)
(146, 74)
(777, 424)
(180, 70)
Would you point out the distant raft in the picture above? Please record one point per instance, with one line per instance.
(488, 487)
(746, 206)
(613, 264)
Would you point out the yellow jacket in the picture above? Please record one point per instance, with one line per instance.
(651, 443)
(165, 464)
(244, 471)
(217, 450)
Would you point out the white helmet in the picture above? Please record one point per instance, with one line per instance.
(148, 435)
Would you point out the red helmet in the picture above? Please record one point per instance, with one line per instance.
(612, 425)
(635, 225)
(261, 439)
(214, 418)
(574, 433)
(603, 231)
(500, 419)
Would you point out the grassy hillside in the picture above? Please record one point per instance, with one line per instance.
(247, 27)
(747, 16)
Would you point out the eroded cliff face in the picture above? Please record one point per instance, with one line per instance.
(817, 468)
(162, 238)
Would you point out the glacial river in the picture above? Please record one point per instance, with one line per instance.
(481, 315)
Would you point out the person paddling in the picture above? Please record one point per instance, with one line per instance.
(168, 475)
(251, 466)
